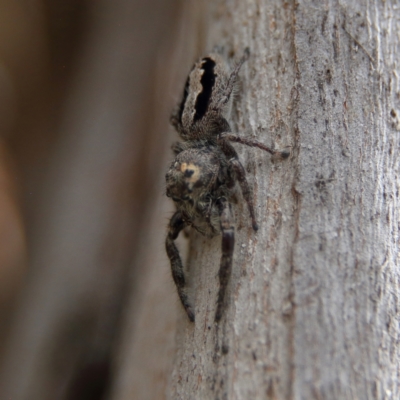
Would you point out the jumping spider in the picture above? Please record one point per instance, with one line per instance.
(202, 177)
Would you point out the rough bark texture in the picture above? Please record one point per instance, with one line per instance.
(313, 310)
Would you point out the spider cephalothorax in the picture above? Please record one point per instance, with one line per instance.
(202, 178)
(195, 181)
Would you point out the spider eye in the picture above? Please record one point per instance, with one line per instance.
(191, 172)
(188, 173)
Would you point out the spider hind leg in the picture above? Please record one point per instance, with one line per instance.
(232, 80)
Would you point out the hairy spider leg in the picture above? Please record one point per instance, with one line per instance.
(226, 94)
(177, 147)
(244, 186)
(176, 224)
(228, 243)
(253, 143)
(240, 173)
(176, 123)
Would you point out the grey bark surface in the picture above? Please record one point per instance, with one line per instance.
(312, 306)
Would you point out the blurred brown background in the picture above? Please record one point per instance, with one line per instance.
(85, 93)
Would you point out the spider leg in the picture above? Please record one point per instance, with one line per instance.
(253, 143)
(228, 243)
(174, 119)
(176, 122)
(176, 224)
(244, 185)
(232, 79)
(240, 173)
(177, 147)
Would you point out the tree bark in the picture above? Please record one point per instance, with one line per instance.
(312, 307)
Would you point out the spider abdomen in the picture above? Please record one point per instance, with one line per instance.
(198, 114)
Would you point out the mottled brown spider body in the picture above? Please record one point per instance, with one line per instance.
(202, 178)
(197, 178)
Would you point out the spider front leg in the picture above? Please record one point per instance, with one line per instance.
(228, 243)
(176, 224)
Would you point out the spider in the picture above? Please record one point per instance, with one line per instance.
(201, 180)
